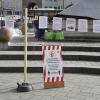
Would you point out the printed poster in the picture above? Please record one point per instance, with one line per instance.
(43, 22)
(70, 24)
(53, 63)
(57, 23)
(82, 25)
(96, 26)
(9, 22)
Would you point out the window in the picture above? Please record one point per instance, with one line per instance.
(55, 7)
(58, 7)
(61, 7)
(45, 7)
(9, 12)
(55, 0)
(17, 13)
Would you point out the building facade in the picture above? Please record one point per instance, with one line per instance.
(58, 4)
(11, 6)
(17, 6)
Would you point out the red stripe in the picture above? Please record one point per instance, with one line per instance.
(60, 55)
(43, 56)
(44, 47)
(57, 47)
(62, 73)
(49, 47)
(44, 73)
(43, 52)
(53, 47)
(62, 79)
(44, 67)
(57, 79)
(48, 80)
(52, 79)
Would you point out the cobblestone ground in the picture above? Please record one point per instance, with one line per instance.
(77, 87)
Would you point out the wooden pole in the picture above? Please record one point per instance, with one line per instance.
(25, 47)
(25, 87)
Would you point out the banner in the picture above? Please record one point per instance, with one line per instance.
(70, 24)
(53, 67)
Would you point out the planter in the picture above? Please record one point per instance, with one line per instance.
(5, 34)
(3, 45)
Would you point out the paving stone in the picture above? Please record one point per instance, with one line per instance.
(77, 87)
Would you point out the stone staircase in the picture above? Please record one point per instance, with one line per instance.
(81, 54)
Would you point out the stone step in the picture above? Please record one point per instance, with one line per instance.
(64, 48)
(68, 36)
(36, 53)
(39, 43)
(77, 55)
(65, 57)
(82, 67)
(38, 64)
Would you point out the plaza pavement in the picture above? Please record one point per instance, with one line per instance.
(77, 87)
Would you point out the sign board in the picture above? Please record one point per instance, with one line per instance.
(57, 23)
(43, 22)
(70, 24)
(53, 67)
(82, 25)
(9, 22)
(96, 26)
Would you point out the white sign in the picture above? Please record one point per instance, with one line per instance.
(57, 23)
(53, 63)
(16, 17)
(9, 22)
(82, 25)
(70, 24)
(2, 18)
(43, 22)
(96, 26)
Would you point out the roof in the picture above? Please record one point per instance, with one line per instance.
(85, 8)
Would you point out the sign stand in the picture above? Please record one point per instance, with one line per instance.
(25, 87)
(53, 71)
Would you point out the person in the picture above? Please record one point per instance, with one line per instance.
(39, 33)
(2, 23)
